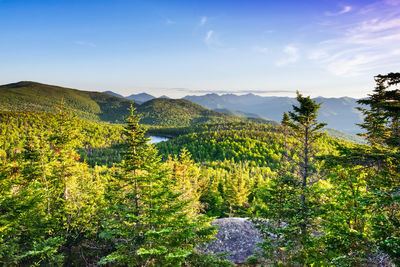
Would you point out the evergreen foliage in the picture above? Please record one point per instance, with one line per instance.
(289, 201)
(374, 179)
(179, 112)
(75, 192)
(150, 221)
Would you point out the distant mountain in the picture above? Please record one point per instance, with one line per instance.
(113, 94)
(237, 113)
(165, 96)
(344, 136)
(95, 106)
(339, 113)
(31, 96)
(140, 98)
(179, 112)
(247, 116)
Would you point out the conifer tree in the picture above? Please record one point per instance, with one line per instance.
(382, 157)
(236, 188)
(149, 222)
(49, 199)
(186, 177)
(288, 200)
(369, 179)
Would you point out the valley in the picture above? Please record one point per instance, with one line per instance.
(67, 154)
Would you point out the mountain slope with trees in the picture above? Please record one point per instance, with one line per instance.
(316, 200)
(179, 112)
(32, 96)
(96, 106)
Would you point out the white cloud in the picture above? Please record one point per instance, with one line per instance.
(260, 49)
(85, 43)
(203, 20)
(365, 43)
(209, 36)
(233, 91)
(169, 21)
(345, 9)
(292, 55)
(211, 39)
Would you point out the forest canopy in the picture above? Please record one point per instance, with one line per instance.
(76, 191)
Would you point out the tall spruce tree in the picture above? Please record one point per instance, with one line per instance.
(370, 183)
(382, 157)
(288, 200)
(149, 222)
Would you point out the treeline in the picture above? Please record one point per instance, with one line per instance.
(260, 148)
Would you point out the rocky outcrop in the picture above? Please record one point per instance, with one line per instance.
(237, 236)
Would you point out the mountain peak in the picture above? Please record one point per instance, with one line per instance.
(22, 84)
(113, 94)
(140, 98)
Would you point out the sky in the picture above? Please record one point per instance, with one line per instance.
(176, 48)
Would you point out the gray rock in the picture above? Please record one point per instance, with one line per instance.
(237, 236)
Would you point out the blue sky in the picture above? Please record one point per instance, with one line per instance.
(321, 47)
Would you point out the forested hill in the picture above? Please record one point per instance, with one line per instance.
(96, 106)
(32, 96)
(179, 112)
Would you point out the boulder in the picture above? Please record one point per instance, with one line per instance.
(237, 236)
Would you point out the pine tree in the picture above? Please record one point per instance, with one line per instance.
(50, 200)
(369, 176)
(185, 176)
(149, 221)
(236, 188)
(288, 201)
(382, 157)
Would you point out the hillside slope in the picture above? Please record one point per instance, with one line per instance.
(179, 112)
(96, 106)
(32, 96)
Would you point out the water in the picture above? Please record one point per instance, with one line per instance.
(157, 139)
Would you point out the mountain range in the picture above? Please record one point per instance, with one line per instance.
(340, 113)
(108, 107)
(105, 107)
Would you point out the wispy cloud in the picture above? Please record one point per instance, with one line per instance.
(210, 37)
(367, 43)
(392, 2)
(291, 55)
(194, 91)
(169, 21)
(344, 10)
(260, 49)
(85, 43)
(203, 20)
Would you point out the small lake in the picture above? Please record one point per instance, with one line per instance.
(157, 139)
